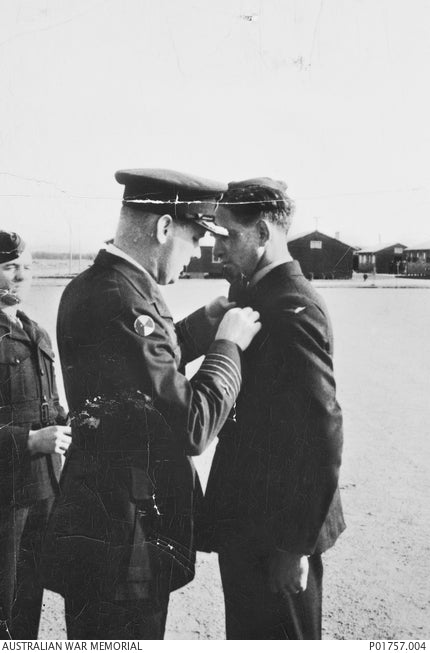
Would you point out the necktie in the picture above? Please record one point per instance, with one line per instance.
(239, 292)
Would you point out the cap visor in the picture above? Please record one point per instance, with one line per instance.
(212, 227)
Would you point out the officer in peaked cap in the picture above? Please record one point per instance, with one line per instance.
(121, 534)
(185, 197)
(33, 433)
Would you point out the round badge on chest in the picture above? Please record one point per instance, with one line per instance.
(144, 325)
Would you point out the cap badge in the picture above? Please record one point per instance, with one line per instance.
(299, 309)
(144, 325)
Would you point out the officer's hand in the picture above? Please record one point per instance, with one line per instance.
(51, 439)
(239, 325)
(217, 308)
(288, 572)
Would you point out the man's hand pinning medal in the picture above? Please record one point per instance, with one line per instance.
(239, 325)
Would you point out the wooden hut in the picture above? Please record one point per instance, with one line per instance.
(205, 266)
(382, 259)
(321, 256)
(417, 260)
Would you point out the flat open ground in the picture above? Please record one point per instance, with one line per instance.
(377, 575)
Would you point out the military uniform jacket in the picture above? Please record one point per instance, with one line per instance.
(28, 400)
(128, 490)
(275, 471)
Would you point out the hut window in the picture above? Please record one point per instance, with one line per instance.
(316, 244)
(398, 250)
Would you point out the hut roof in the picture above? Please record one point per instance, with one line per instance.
(315, 234)
(379, 247)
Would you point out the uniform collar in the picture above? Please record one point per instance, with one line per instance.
(13, 328)
(144, 284)
(276, 277)
(259, 274)
(116, 251)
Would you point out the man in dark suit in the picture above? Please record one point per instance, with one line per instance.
(33, 434)
(121, 534)
(272, 500)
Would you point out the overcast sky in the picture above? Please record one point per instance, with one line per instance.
(331, 96)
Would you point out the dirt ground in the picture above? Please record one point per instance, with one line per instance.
(376, 582)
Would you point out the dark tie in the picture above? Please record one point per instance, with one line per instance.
(239, 292)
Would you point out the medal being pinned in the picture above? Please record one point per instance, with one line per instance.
(144, 325)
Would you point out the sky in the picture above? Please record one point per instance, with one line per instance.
(331, 96)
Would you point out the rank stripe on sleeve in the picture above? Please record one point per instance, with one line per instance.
(225, 368)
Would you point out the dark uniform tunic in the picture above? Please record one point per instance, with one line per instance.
(28, 483)
(121, 534)
(274, 477)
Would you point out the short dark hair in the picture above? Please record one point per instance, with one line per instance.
(249, 203)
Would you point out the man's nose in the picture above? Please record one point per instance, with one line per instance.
(19, 274)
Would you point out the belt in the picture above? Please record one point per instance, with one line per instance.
(28, 412)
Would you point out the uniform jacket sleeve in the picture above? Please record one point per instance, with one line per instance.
(305, 404)
(61, 418)
(194, 410)
(195, 335)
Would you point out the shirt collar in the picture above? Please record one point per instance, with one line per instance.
(257, 276)
(116, 251)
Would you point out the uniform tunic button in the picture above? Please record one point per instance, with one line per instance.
(17, 360)
(42, 372)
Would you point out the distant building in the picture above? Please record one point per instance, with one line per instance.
(321, 256)
(382, 259)
(417, 260)
(206, 265)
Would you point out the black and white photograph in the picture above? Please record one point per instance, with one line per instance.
(214, 319)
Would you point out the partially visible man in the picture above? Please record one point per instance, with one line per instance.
(33, 434)
(272, 499)
(121, 534)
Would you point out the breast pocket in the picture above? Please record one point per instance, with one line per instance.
(17, 373)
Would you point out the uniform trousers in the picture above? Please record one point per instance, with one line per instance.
(252, 610)
(21, 534)
(92, 618)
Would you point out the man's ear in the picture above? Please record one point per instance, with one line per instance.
(164, 225)
(263, 231)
